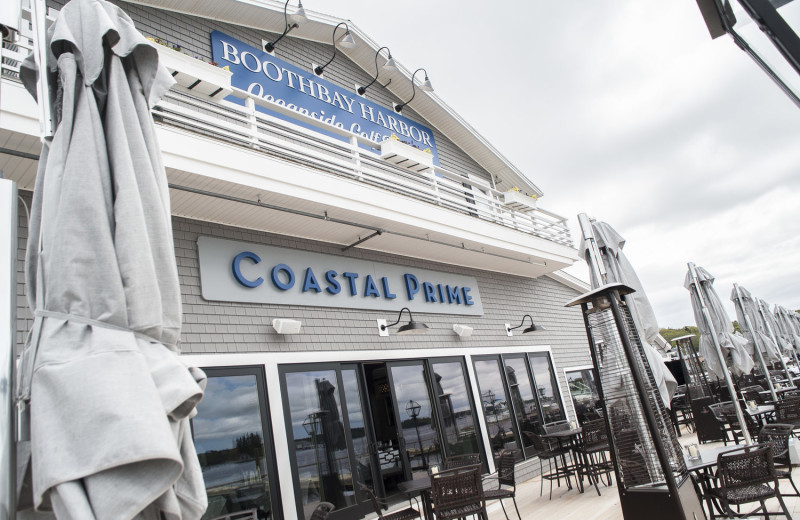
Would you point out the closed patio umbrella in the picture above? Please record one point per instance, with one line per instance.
(617, 269)
(109, 400)
(784, 347)
(760, 346)
(789, 327)
(720, 347)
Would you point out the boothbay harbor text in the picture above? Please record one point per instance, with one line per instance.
(277, 81)
(245, 272)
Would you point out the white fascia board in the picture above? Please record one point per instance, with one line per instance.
(18, 112)
(570, 281)
(209, 158)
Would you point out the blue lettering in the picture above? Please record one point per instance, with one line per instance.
(412, 285)
(467, 298)
(386, 292)
(370, 289)
(237, 272)
(351, 278)
(441, 293)
(453, 295)
(310, 282)
(430, 293)
(333, 284)
(283, 268)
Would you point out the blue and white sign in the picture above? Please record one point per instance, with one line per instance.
(275, 80)
(243, 272)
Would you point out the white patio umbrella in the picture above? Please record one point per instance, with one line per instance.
(617, 269)
(720, 347)
(759, 345)
(784, 347)
(109, 399)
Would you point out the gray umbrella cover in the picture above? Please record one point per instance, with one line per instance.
(620, 270)
(734, 348)
(110, 400)
(768, 348)
(783, 342)
(784, 319)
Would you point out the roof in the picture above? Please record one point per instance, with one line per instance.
(268, 15)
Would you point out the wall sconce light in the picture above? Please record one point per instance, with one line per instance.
(462, 330)
(285, 326)
(389, 65)
(426, 87)
(298, 17)
(412, 327)
(347, 42)
(532, 328)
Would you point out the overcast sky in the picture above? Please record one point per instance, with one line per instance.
(628, 111)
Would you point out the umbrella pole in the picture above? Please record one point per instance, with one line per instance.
(775, 339)
(595, 260)
(756, 346)
(8, 323)
(734, 400)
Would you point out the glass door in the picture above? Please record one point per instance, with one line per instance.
(327, 437)
(417, 433)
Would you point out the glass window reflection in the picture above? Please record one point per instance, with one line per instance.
(495, 405)
(523, 400)
(585, 397)
(458, 420)
(546, 387)
(229, 439)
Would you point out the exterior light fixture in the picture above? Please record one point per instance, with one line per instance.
(462, 330)
(389, 65)
(347, 42)
(284, 326)
(298, 17)
(426, 87)
(533, 328)
(412, 327)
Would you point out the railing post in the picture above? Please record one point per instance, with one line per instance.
(8, 325)
(356, 157)
(250, 104)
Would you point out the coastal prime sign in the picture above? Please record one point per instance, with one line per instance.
(302, 91)
(243, 272)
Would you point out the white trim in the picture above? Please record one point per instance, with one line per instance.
(566, 380)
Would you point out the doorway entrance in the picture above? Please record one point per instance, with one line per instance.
(372, 423)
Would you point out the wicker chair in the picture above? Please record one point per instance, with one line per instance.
(550, 454)
(753, 393)
(719, 410)
(458, 493)
(735, 428)
(787, 411)
(460, 461)
(745, 476)
(408, 513)
(591, 449)
(322, 511)
(778, 435)
(506, 481)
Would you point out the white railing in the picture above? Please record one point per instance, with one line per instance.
(350, 155)
(355, 158)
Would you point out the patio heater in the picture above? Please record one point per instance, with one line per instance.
(700, 393)
(651, 474)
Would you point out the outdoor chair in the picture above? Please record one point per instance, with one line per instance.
(506, 481)
(557, 467)
(719, 410)
(378, 505)
(459, 461)
(787, 411)
(591, 450)
(458, 493)
(778, 435)
(248, 514)
(681, 410)
(735, 428)
(753, 393)
(745, 476)
(322, 511)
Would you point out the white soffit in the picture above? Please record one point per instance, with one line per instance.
(267, 15)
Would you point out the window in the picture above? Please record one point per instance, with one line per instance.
(583, 389)
(231, 436)
(495, 404)
(546, 387)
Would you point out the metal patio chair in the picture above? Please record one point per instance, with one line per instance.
(458, 493)
(506, 481)
(778, 435)
(408, 513)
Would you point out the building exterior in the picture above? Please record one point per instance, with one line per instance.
(306, 216)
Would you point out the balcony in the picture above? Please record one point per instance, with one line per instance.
(235, 165)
